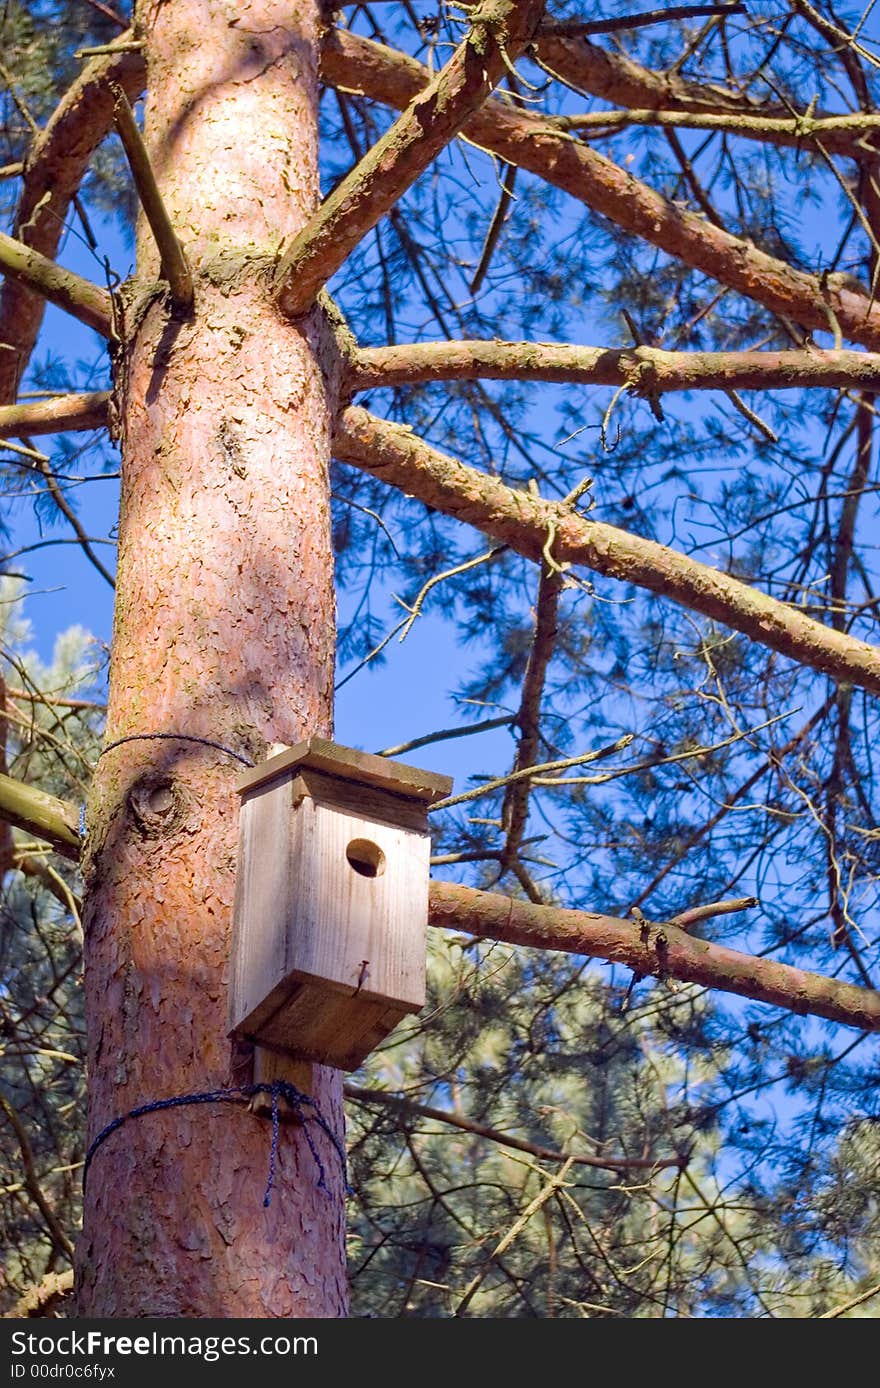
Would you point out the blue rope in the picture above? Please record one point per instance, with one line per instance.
(273, 1151)
(278, 1089)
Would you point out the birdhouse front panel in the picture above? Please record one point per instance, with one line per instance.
(331, 902)
(372, 878)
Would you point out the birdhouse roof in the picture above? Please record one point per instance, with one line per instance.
(349, 764)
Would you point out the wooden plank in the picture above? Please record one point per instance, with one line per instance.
(273, 1065)
(366, 802)
(329, 1027)
(364, 933)
(262, 902)
(349, 764)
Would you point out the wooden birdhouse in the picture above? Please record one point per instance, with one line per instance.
(331, 901)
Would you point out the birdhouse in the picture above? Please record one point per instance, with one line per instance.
(331, 904)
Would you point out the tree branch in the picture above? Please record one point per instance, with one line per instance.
(643, 369)
(454, 1120)
(43, 466)
(579, 28)
(40, 1299)
(848, 135)
(551, 1188)
(619, 79)
(526, 522)
(500, 30)
(173, 261)
(547, 149)
(51, 819)
(515, 808)
(32, 1184)
(55, 415)
(663, 951)
(54, 170)
(78, 296)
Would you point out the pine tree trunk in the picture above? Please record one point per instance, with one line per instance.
(224, 630)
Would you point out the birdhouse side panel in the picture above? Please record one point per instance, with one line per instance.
(263, 902)
(360, 892)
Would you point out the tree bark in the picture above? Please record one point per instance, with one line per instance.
(223, 630)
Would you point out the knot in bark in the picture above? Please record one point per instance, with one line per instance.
(158, 804)
(640, 373)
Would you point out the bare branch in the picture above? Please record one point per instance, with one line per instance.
(618, 78)
(56, 415)
(54, 170)
(174, 266)
(488, 725)
(44, 467)
(32, 1183)
(709, 909)
(71, 292)
(550, 1189)
(498, 219)
(500, 30)
(851, 1304)
(547, 149)
(644, 370)
(663, 951)
(515, 809)
(580, 28)
(466, 1125)
(39, 1300)
(49, 818)
(849, 135)
(523, 521)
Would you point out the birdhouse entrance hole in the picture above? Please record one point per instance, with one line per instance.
(331, 902)
(366, 858)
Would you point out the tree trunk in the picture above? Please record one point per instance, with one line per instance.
(223, 630)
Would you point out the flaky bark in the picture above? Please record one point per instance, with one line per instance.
(660, 950)
(527, 524)
(223, 630)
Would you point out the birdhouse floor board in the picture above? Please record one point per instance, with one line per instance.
(317, 1024)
